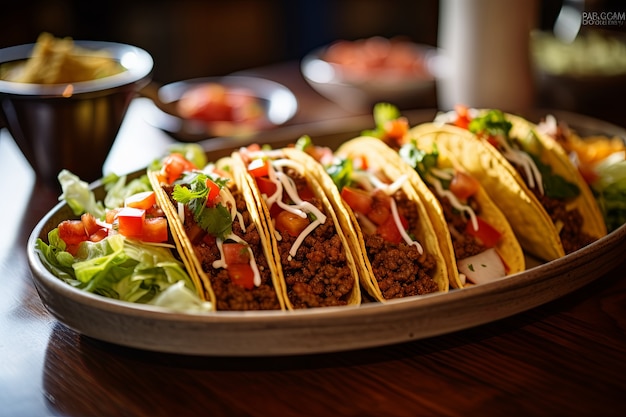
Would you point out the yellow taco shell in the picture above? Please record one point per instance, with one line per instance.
(240, 169)
(373, 149)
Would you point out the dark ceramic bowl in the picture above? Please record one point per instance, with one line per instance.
(56, 130)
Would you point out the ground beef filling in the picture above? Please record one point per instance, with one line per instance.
(318, 275)
(570, 221)
(572, 236)
(400, 269)
(230, 296)
(464, 244)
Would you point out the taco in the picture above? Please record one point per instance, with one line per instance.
(527, 174)
(477, 241)
(391, 232)
(313, 257)
(221, 234)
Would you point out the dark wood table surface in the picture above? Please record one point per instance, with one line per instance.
(564, 358)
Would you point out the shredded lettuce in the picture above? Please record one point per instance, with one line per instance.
(78, 196)
(118, 267)
(118, 189)
(610, 191)
(123, 269)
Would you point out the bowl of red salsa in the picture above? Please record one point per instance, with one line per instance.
(206, 107)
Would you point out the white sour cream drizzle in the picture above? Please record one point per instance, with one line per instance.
(221, 263)
(299, 207)
(370, 182)
(434, 180)
(515, 156)
(523, 160)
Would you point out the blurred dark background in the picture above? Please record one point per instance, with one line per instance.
(190, 38)
(194, 38)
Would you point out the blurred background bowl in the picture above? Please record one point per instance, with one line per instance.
(59, 126)
(276, 102)
(586, 75)
(358, 74)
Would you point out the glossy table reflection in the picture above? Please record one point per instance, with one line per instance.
(563, 358)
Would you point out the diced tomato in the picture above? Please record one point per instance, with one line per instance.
(72, 232)
(236, 253)
(98, 235)
(360, 162)
(486, 233)
(275, 210)
(214, 191)
(89, 223)
(259, 167)
(288, 222)
(242, 275)
(130, 222)
(173, 166)
(462, 116)
(358, 200)
(208, 239)
(396, 129)
(492, 140)
(154, 229)
(155, 211)
(379, 214)
(266, 186)
(463, 185)
(389, 230)
(306, 194)
(111, 215)
(588, 173)
(72, 249)
(143, 200)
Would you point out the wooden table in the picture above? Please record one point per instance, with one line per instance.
(565, 358)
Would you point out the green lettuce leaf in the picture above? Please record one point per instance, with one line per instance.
(78, 196)
(123, 269)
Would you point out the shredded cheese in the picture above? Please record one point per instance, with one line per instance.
(299, 207)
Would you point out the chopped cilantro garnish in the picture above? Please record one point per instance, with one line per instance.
(493, 122)
(341, 172)
(420, 160)
(216, 220)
